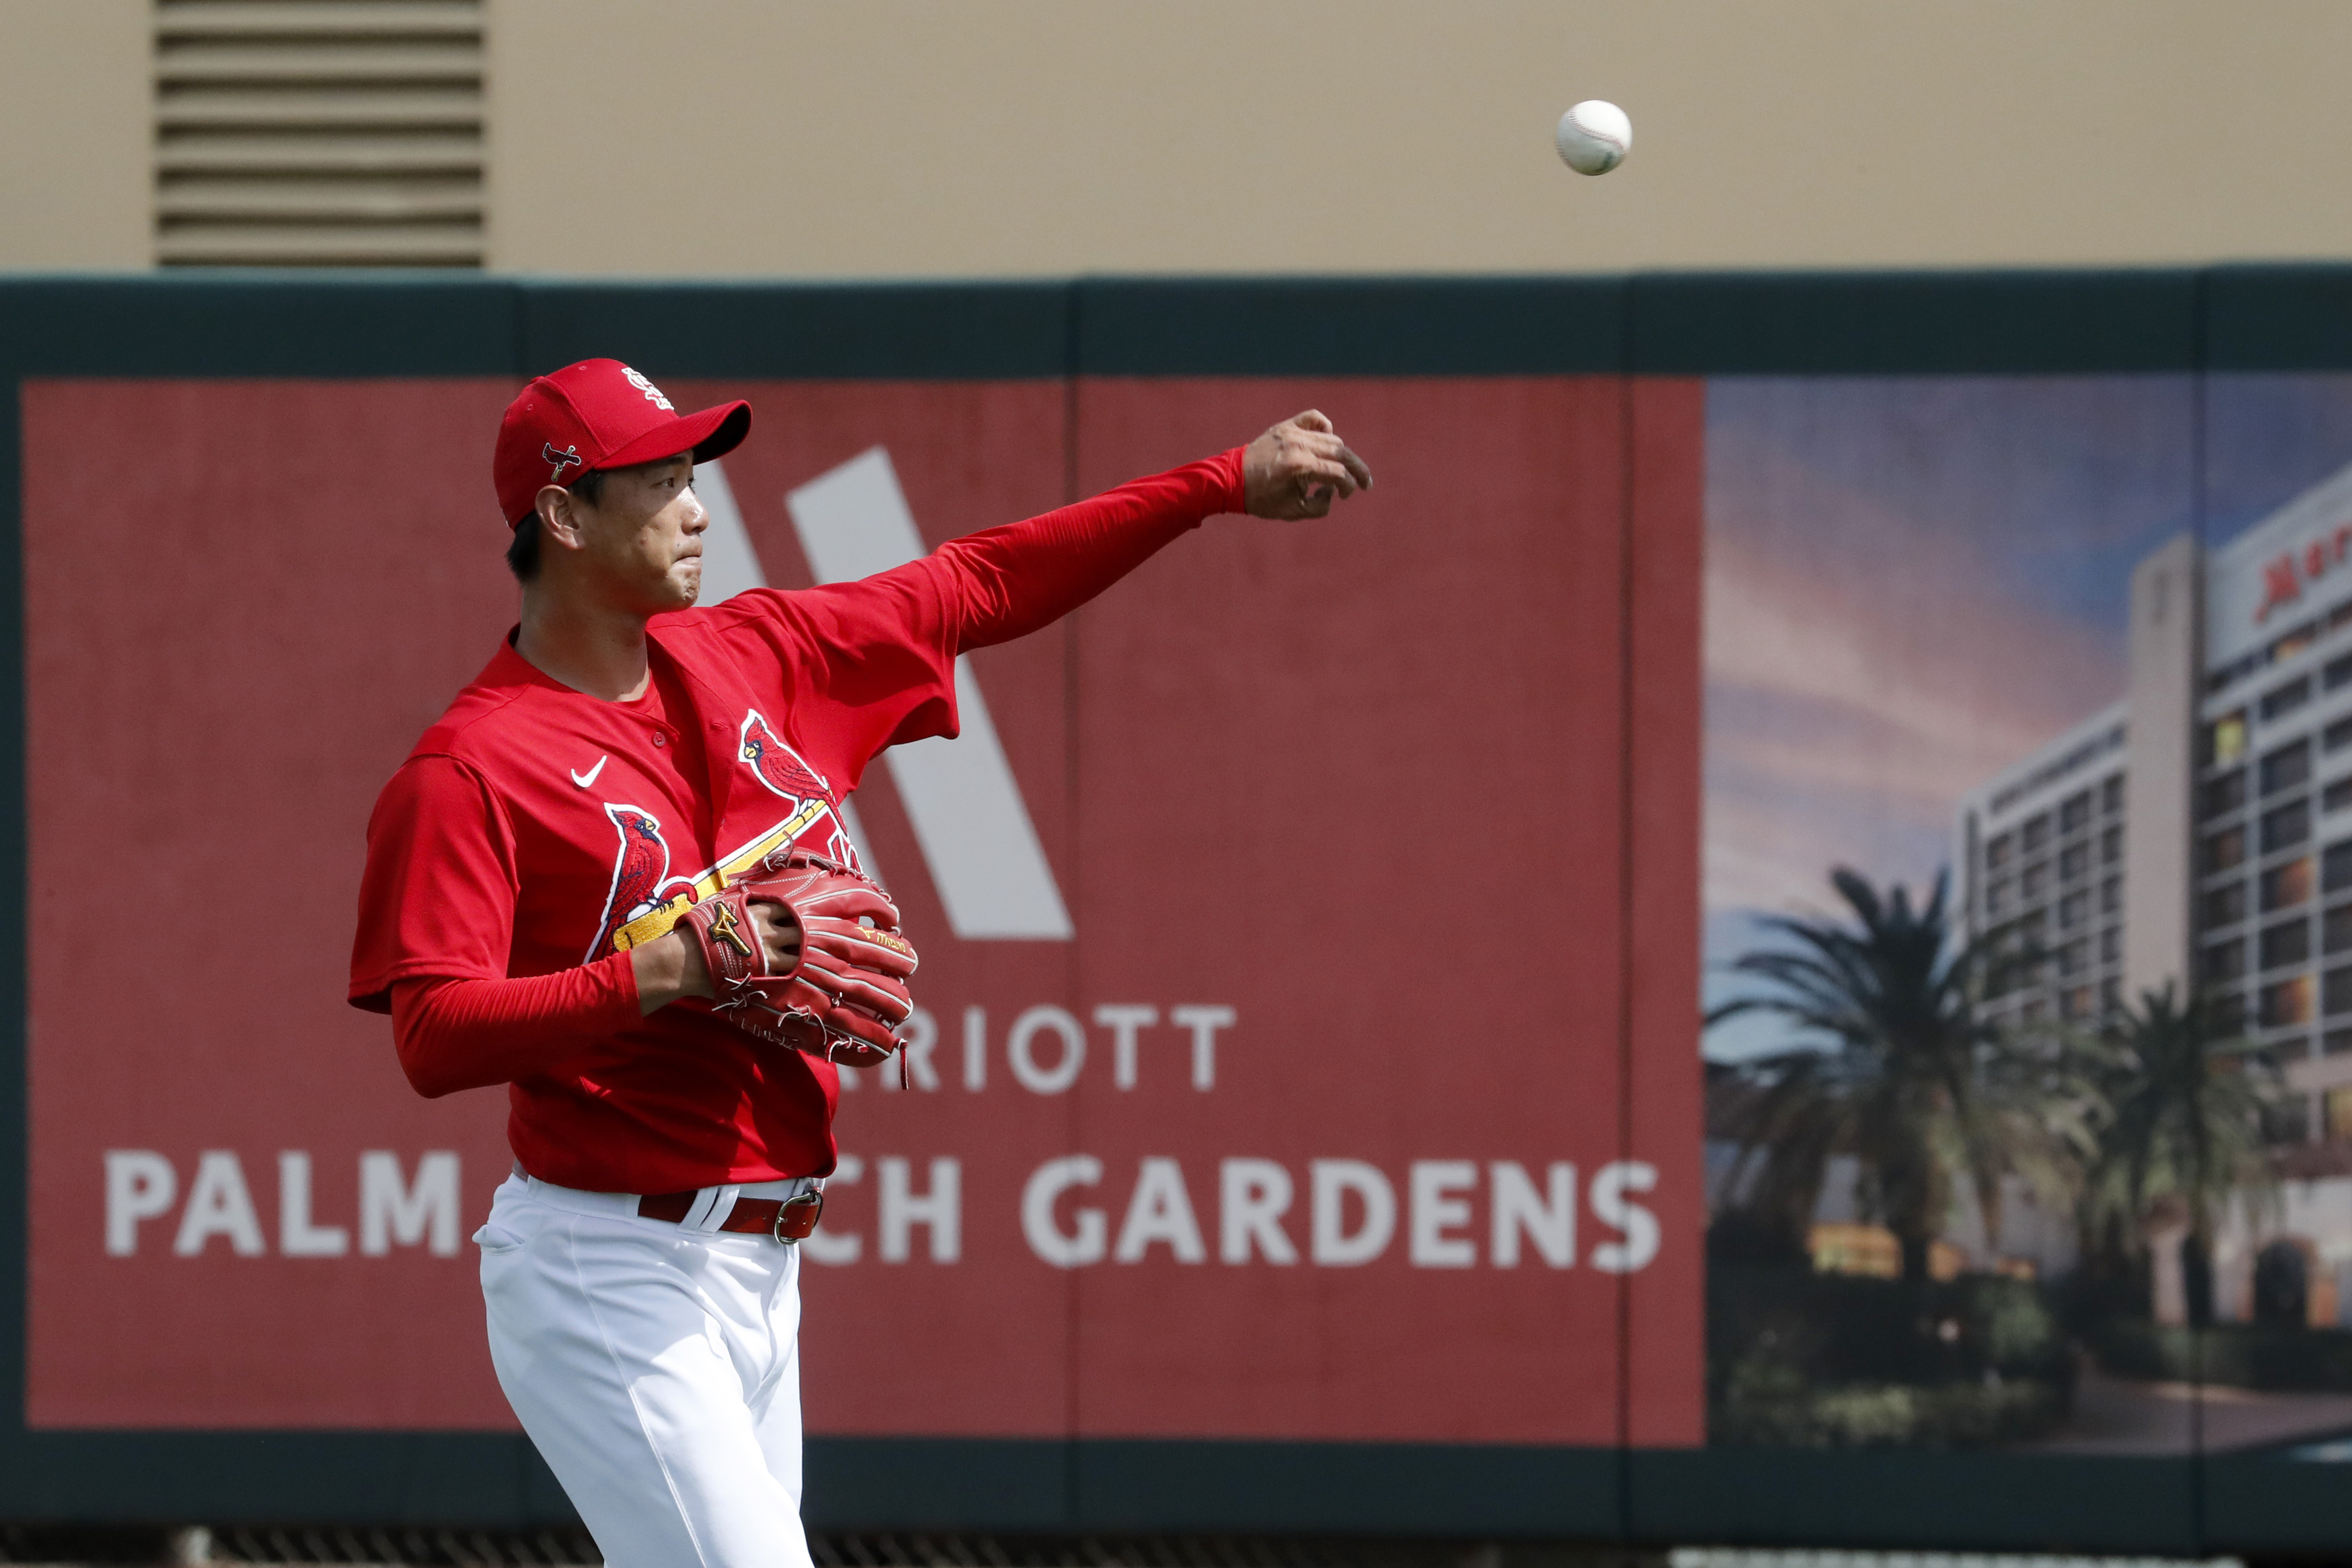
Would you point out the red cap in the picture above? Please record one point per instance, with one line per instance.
(599, 414)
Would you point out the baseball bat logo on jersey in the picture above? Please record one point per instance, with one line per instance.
(640, 874)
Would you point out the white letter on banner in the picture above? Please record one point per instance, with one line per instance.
(1332, 1181)
(1047, 1239)
(975, 1049)
(140, 1185)
(1159, 1210)
(960, 795)
(1611, 1207)
(1204, 1023)
(828, 1243)
(393, 1212)
(1435, 1213)
(1017, 1052)
(943, 1210)
(1124, 1020)
(1547, 1219)
(1252, 1196)
(297, 1236)
(219, 1205)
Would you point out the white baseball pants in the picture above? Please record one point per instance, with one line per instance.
(658, 1368)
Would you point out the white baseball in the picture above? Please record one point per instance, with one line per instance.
(1594, 137)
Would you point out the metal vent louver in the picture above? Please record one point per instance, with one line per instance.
(318, 133)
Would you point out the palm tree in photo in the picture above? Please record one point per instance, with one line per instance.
(1900, 1072)
(2187, 1095)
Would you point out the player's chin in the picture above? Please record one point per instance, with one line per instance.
(685, 584)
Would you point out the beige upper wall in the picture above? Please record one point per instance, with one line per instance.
(1050, 136)
(75, 159)
(774, 137)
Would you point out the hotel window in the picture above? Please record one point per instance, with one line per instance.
(2337, 736)
(2074, 812)
(2230, 1012)
(2286, 824)
(2336, 929)
(2072, 956)
(2225, 739)
(1997, 896)
(2286, 767)
(2227, 848)
(2225, 960)
(2075, 1004)
(2225, 906)
(2073, 907)
(2111, 794)
(2111, 994)
(2074, 861)
(2289, 1002)
(1997, 852)
(2336, 1042)
(2037, 833)
(2111, 846)
(2336, 867)
(2287, 698)
(2225, 793)
(2037, 879)
(2339, 991)
(2111, 944)
(2338, 671)
(2339, 1114)
(2287, 1120)
(2286, 886)
(2286, 944)
(2337, 796)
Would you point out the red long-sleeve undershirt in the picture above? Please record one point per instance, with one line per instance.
(1007, 582)
(471, 1034)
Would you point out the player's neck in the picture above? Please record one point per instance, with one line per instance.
(590, 647)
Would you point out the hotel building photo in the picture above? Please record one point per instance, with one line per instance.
(2201, 830)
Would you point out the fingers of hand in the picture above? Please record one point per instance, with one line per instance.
(1315, 473)
(1312, 420)
(779, 935)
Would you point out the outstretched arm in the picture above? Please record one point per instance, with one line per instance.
(1010, 581)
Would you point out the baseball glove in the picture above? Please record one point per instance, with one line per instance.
(845, 996)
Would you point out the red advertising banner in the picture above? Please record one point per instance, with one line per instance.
(1310, 926)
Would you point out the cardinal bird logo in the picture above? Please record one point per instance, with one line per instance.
(640, 873)
(781, 768)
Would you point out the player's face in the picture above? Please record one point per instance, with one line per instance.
(645, 535)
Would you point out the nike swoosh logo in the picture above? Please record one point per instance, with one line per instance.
(588, 778)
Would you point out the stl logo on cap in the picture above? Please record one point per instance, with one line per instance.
(653, 394)
(599, 414)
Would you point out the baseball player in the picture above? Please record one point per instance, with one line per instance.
(614, 878)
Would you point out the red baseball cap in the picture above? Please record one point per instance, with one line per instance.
(599, 414)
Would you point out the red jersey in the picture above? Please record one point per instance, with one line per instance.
(532, 823)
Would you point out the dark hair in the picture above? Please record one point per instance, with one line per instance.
(522, 550)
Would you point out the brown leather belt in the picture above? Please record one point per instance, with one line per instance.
(786, 1219)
